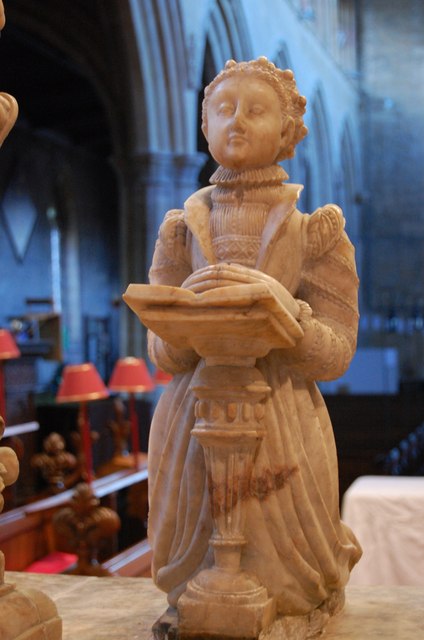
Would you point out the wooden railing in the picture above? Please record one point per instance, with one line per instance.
(27, 533)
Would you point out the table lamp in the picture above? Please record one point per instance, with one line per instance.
(131, 375)
(8, 350)
(82, 383)
(162, 377)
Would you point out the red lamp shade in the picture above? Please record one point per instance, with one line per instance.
(8, 348)
(162, 377)
(131, 375)
(81, 383)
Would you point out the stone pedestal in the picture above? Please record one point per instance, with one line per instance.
(226, 601)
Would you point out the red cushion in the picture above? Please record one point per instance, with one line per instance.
(55, 562)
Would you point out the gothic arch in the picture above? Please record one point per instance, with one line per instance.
(282, 59)
(227, 34)
(318, 149)
(225, 39)
(348, 181)
(66, 66)
(91, 46)
(295, 167)
(160, 43)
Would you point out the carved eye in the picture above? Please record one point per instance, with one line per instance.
(225, 109)
(257, 109)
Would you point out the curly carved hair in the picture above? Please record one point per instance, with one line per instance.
(292, 104)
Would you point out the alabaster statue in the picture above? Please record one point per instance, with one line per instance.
(24, 613)
(250, 303)
(9, 471)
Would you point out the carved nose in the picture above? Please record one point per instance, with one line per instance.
(239, 119)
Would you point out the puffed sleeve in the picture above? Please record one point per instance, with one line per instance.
(328, 295)
(171, 265)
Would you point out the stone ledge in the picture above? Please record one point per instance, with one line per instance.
(122, 608)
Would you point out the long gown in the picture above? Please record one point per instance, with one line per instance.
(296, 544)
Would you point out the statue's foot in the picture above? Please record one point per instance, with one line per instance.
(166, 627)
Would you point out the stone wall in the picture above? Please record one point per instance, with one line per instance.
(49, 185)
(392, 62)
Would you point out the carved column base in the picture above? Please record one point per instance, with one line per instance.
(245, 620)
(302, 627)
(238, 606)
(28, 615)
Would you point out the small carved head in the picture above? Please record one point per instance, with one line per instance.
(54, 444)
(255, 91)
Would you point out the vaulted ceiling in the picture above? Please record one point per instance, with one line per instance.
(61, 62)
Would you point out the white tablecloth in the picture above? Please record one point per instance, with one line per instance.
(387, 516)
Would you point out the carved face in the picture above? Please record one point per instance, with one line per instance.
(244, 123)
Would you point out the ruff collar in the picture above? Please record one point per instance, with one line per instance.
(266, 176)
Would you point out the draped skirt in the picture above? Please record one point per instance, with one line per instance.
(296, 544)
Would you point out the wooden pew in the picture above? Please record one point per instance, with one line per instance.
(27, 534)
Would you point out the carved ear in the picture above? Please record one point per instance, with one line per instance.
(287, 132)
(205, 131)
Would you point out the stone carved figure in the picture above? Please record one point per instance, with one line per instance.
(24, 613)
(9, 471)
(245, 232)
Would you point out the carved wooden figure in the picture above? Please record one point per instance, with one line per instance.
(58, 467)
(120, 428)
(250, 302)
(84, 524)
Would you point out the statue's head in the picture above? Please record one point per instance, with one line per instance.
(261, 99)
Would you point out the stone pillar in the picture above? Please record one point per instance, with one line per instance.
(151, 184)
(226, 601)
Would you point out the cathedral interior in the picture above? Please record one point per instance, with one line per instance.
(109, 138)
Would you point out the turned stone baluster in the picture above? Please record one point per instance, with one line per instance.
(229, 426)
